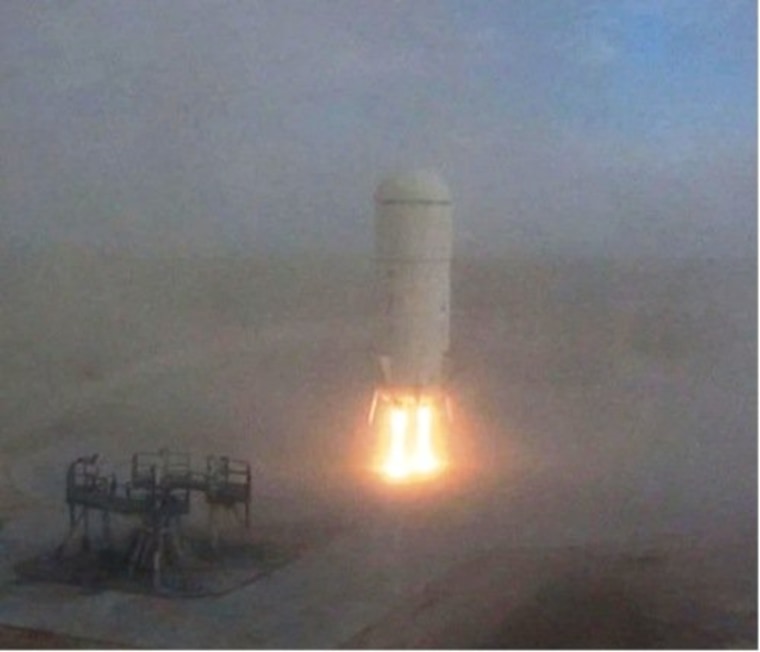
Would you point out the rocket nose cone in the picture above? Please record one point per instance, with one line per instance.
(419, 185)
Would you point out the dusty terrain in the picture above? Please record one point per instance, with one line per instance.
(606, 486)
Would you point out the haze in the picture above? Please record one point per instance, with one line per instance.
(186, 218)
(593, 127)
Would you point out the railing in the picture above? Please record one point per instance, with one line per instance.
(161, 480)
(151, 468)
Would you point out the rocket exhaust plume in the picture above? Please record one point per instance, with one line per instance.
(413, 243)
(410, 445)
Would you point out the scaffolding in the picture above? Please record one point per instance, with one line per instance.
(159, 494)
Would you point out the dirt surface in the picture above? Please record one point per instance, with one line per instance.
(579, 598)
(21, 638)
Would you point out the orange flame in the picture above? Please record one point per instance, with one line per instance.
(411, 453)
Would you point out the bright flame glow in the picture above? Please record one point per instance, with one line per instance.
(425, 460)
(397, 465)
(411, 452)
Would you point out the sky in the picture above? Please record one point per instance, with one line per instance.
(613, 127)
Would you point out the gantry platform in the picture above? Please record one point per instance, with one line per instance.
(159, 493)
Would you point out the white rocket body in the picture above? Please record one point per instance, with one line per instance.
(413, 243)
(413, 246)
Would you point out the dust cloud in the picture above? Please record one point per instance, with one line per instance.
(602, 404)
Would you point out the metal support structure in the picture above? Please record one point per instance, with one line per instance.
(158, 492)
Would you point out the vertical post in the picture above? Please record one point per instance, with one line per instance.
(158, 547)
(157, 566)
(175, 538)
(213, 526)
(107, 527)
(86, 537)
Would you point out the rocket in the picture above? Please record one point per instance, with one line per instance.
(413, 247)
